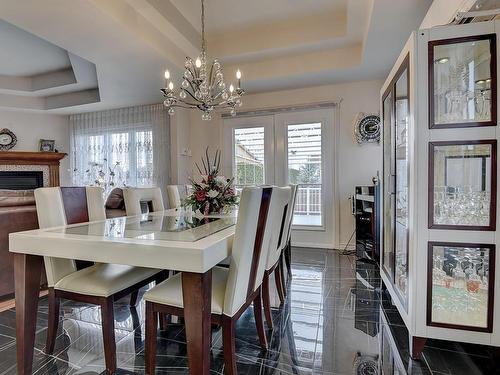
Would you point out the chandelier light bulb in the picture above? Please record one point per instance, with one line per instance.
(231, 88)
(238, 74)
(171, 85)
(198, 62)
(167, 74)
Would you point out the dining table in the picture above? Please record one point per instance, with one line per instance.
(173, 239)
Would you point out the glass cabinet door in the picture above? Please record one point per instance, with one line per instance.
(401, 182)
(460, 286)
(389, 171)
(462, 84)
(462, 185)
(395, 107)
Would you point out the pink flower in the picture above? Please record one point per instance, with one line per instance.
(201, 195)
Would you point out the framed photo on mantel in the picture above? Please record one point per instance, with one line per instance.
(47, 145)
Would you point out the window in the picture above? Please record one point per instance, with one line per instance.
(304, 169)
(115, 159)
(249, 156)
(121, 147)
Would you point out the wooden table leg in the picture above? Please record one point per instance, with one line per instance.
(27, 272)
(197, 296)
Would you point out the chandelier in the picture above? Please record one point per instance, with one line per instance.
(203, 85)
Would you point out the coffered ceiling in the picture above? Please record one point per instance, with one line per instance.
(277, 44)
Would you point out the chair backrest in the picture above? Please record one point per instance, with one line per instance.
(174, 197)
(57, 206)
(134, 196)
(277, 215)
(289, 217)
(246, 266)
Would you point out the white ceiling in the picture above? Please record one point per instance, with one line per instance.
(224, 15)
(278, 44)
(24, 54)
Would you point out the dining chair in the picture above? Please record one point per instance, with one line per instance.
(174, 197)
(234, 289)
(275, 241)
(286, 245)
(100, 284)
(133, 197)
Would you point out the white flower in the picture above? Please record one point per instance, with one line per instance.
(213, 193)
(203, 186)
(220, 179)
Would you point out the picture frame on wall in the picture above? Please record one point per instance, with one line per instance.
(47, 145)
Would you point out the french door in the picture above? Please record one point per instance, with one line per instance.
(283, 148)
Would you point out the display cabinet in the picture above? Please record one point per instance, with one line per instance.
(439, 230)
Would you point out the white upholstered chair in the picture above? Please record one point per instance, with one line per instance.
(274, 239)
(134, 196)
(285, 246)
(174, 197)
(233, 288)
(99, 284)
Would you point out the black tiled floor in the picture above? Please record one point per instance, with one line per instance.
(331, 323)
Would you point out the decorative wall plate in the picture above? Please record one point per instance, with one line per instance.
(367, 128)
(7, 139)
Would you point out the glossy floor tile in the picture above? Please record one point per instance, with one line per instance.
(335, 321)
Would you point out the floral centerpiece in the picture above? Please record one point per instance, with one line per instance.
(214, 193)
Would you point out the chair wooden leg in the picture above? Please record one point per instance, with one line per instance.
(259, 322)
(288, 258)
(279, 286)
(108, 334)
(266, 300)
(151, 327)
(228, 345)
(54, 308)
(282, 273)
(133, 298)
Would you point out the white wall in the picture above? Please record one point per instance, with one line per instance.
(357, 164)
(29, 128)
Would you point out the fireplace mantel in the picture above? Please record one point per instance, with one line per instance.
(50, 159)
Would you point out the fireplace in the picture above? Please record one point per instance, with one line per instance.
(21, 180)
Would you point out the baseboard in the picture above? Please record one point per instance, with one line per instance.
(313, 245)
(342, 246)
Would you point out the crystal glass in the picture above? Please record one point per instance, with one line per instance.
(462, 183)
(462, 82)
(459, 288)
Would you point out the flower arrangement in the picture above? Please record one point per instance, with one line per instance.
(213, 193)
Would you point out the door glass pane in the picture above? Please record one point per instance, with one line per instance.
(401, 197)
(460, 278)
(304, 169)
(462, 82)
(462, 183)
(249, 156)
(388, 248)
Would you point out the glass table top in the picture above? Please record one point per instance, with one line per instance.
(156, 226)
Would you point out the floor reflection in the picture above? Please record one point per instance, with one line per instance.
(335, 321)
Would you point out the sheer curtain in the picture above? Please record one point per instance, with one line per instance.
(127, 146)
